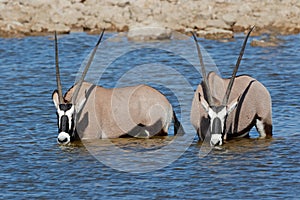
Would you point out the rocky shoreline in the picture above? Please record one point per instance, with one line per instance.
(210, 19)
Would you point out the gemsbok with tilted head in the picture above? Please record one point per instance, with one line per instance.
(88, 111)
(221, 114)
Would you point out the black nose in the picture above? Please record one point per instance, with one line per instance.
(215, 144)
(218, 143)
(62, 141)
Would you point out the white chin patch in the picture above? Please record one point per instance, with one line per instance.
(63, 138)
(216, 139)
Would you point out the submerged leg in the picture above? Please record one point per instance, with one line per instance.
(263, 128)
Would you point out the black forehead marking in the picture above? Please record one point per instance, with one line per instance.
(65, 107)
(217, 108)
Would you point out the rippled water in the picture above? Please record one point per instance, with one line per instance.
(34, 166)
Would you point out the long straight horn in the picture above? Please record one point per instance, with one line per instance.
(205, 81)
(58, 82)
(229, 87)
(86, 69)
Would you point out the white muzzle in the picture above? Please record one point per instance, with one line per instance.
(216, 139)
(63, 138)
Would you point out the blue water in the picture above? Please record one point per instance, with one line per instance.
(33, 165)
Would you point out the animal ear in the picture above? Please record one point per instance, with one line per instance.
(203, 102)
(55, 98)
(233, 105)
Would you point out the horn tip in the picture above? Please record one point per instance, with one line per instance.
(100, 38)
(194, 35)
(251, 29)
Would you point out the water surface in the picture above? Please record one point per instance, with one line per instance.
(34, 166)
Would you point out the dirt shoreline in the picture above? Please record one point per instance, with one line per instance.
(210, 19)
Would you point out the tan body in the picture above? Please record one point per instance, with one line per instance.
(139, 111)
(88, 111)
(254, 107)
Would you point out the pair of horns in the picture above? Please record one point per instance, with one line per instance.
(205, 81)
(58, 81)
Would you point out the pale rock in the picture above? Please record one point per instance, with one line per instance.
(188, 30)
(216, 33)
(217, 23)
(263, 43)
(70, 17)
(206, 14)
(244, 9)
(243, 23)
(145, 33)
(63, 4)
(119, 19)
(105, 13)
(78, 6)
(43, 14)
(60, 28)
(39, 3)
(171, 22)
(122, 3)
(265, 19)
(136, 13)
(90, 22)
(266, 41)
(198, 24)
(14, 25)
(36, 27)
(201, 33)
(229, 18)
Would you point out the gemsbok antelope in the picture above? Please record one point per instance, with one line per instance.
(221, 114)
(88, 111)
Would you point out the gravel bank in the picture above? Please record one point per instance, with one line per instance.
(210, 19)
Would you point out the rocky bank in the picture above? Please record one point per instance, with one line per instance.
(210, 19)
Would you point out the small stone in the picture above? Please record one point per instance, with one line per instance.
(262, 43)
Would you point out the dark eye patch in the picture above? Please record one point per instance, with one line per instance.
(65, 107)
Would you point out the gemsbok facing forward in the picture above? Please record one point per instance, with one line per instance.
(224, 114)
(87, 111)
